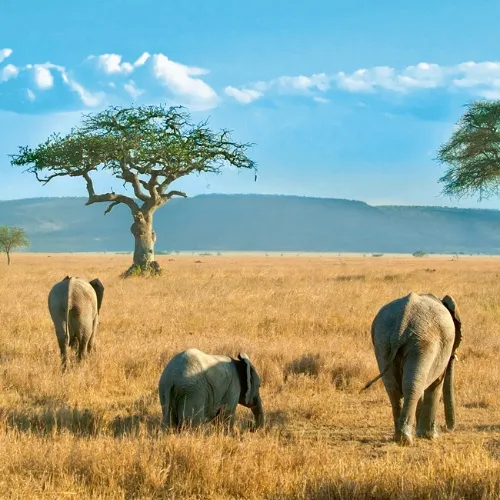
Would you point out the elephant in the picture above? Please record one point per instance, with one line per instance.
(195, 388)
(74, 305)
(415, 340)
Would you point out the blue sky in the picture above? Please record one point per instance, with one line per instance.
(343, 99)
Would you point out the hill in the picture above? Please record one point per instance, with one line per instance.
(258, 223)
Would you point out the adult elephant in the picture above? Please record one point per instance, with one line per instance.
(74, 305)
(196, 387)
(415, 340)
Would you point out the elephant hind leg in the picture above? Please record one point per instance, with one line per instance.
(426, 424)
(61, 340)
(82, 325)
(91, 343)
(393, 389)
(190, 413)
(413, 390)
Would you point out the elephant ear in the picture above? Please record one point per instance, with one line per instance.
(99, 291)
(247, 385)
(450, 304)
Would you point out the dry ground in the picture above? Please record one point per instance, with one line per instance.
(304, 322)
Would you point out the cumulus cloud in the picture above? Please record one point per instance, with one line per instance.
(43, 77)
(182, 82)
(8, 72)
(4, 53)
(245, 96)
(112, 63)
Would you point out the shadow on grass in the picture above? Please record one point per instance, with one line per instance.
(446, 489)
(80, 422)
(90, 423)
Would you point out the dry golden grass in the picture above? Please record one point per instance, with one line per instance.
(304, 322)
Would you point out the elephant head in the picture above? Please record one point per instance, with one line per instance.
(250, 385)
(99, 291)
(448, 393)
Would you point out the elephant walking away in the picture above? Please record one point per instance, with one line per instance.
(196, 387)
(415, 340)
(74, 305)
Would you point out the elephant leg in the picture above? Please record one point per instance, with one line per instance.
(91, 343)
(60, 327)
(83, 324)
(413, 388)
(226, 417)
(393, 389)
(419, 409)
(61, 340)
(83, 348)
(190, 413)
(426, 425)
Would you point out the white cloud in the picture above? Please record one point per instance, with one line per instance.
(142, 59)
(112, 63)
(43, 77)
(88, 98)
(245, 96)
(303, 83)
(8, 72)
(31, 95)
(132, 89)
(4, 53)
(178, 78)
(481, 79)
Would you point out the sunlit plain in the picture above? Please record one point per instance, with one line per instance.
(304, 321)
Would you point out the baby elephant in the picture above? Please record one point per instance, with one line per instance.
(415, 339)
(196, 387)
(74, 305)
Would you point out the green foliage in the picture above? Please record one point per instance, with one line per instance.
(147, 147)
(419, 253)
(472, 154)
(12, 238)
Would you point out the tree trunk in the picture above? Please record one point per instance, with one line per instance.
(8, 258)
(144, 253)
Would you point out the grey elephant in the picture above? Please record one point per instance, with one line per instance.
(415, 339)
(74, 305)
(196, 387)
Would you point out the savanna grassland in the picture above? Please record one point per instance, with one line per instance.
(305, 324)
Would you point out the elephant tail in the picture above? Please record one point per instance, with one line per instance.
(164, 394)
(68, 305)
(384, 371)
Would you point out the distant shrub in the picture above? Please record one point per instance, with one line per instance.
(377, 254)
(307, 364)
(419, 253)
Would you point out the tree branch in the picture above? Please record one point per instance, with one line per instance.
(175, 193)
(128, 176)
(113, 197)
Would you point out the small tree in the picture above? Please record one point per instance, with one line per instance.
(12, 238)
(148, 148)
(419, 253)
(472, 154)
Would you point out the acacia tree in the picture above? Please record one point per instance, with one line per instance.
(148, 147)
(12, 238)
(472, 154)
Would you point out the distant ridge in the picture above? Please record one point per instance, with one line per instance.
(217, 222)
